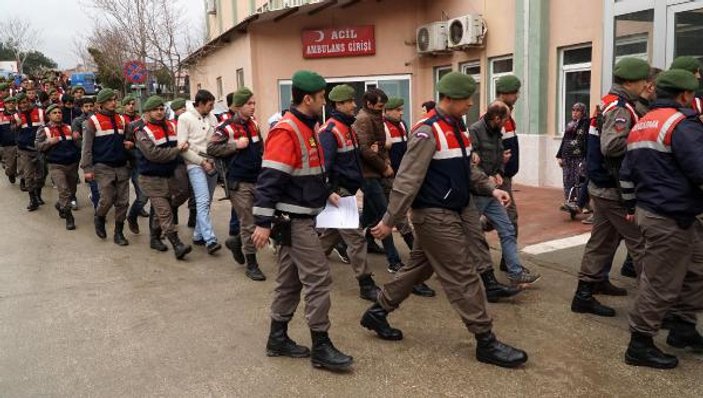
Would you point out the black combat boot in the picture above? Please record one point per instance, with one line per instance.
(253, 271)
(367, 288)
(70, 221)
(584, 302)
(33, 202)
(325, 355)
(608, 289)
(133, 224)
(234, 244)
(37, 192)
(119, 238)
(23, 186)
(180, 249)
(155, 241)
(628, 268)
(12, 179)
(280, 345)
(642, 352)
(99, 223)
(58, 208)
(174, 211)
(490, 350)
(496, 290)
(192, 215)
(375, 319)
(422, 290)
(683, 334)
(669, 321)
(409, 239)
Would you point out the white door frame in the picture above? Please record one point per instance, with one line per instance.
(671, 25)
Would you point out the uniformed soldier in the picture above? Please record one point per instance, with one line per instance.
(290, 192)
(27, 120)
(238, 140)
(132, 118)
(340, 147)
(159, 158)
(663, 175)
(693, 65)
(606, 149)
(104, 160)
(62, 149)
(178, 106)
(234, 225)
(8, 142)
(435, 179)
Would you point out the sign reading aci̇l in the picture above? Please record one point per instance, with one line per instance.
(339, 42)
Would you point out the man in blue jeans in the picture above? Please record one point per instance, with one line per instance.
(376, 165)
(195, 127)
(487, 143)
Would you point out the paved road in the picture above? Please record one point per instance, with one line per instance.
(82, 317)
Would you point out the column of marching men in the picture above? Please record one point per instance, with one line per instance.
(439, 183)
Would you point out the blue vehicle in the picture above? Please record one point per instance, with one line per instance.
(85, 80)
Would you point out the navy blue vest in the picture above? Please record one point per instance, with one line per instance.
(108, 144)
(162, 139)
(66, 151)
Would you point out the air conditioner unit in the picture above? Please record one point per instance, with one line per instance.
(432, 38)
(465, 31)
(211, 7)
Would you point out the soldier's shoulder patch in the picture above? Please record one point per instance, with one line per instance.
(422, 135)
(620, 124)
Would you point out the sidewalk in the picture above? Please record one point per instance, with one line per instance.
(540, 219)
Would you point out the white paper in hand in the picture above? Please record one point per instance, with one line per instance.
(344, 216)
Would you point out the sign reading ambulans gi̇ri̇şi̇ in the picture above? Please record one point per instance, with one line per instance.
(339, 42)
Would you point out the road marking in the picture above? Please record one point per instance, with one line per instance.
(558, 244)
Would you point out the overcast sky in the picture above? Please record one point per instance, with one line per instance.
(59, 21)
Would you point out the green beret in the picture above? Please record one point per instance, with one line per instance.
(10, 99)
(677, 80)
(631, 69)
(152, 103)
(4, 86)
(395, 103)
(20, 97)
(178, 103)
(53, 90)
(127, 99)
(104, 95)
(342, 93)
(241, 96)
(688, 63)
(308, 81)
(51, 108)
(456, 85)
(76, 88)
(508, 84)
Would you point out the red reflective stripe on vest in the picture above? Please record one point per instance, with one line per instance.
(447, 145)
(342, 133)
(610, 102)
(157, 134)
(308, 158)
(53, 131)
(103, 125)
(509, 129)
(654, 131)
(397, 132)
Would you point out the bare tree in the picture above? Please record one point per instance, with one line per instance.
(20, 37)
(154, 33)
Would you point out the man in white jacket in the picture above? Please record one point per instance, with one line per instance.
(195, 127)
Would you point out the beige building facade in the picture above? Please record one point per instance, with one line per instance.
(562, 51)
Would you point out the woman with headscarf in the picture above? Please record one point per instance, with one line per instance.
(572, 151)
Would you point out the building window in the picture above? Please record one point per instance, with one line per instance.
(219, 87)
(473, 69)
(439, 73)
(240, 78)
(634, 35)
(499, 68)
(688, 30)
(574, 81)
